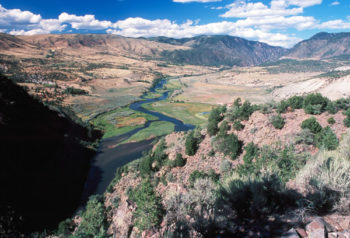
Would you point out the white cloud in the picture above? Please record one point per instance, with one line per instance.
(243, 9)
(87, 22)
(303, 3)
(16, 17)
(137, 27)
(186, 1)
(334, 24)
(335, 3)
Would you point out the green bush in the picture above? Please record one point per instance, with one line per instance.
(315, 104)
(252, 198)
(215, 116)
(237, 125)
(327, 139)
(201, 175)
(240, 111)
(159, 154)
(75, 91)
(282, 106)
(331, 121)
(93, 222)
(224, 127)
(277, 121)
(179, 160)
(191, 144)
(311, 124)
(251, 153)
(230, 145)
(149, 210)
(347, 119)
(146, 165)
(296, 102)
(65, 228)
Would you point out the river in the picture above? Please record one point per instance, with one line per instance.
(110, 155)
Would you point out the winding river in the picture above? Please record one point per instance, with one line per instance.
(110, 155)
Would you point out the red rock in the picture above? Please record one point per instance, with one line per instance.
(316, 229)
(301, 232)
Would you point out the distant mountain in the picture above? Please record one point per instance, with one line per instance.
(220, 50)
(323, 45)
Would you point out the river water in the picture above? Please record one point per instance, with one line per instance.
(110, 155)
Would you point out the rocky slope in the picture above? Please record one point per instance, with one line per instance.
(176, 180)
(322, 46)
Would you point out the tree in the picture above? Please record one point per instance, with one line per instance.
(191, 144)
(230, 145)
(277, 121)
(327, 139)
(315, 103)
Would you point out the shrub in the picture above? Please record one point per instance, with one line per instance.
(201, 175)
(149, 210)
(296, 102)
(93, 219)
(331, 121)
(75, 91)
(283, 161)
(65, 228)
(251, 153)
(250, 198)
(230, 145)
(211, 153)
(311, 124)
(159, 154)
(327, 139)
(215, 117)
(237, 125)
(179, 160)
(327, 174)
(146, 166)
(282, 106)
(225, 166)
(347, 119)
(224, 127)
(191, 144)
(277, 121)
(305, 137)
(240, 111)
(315, 104)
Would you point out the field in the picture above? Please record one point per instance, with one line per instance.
(158, 128)
(120, 121)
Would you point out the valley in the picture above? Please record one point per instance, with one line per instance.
(236, 102)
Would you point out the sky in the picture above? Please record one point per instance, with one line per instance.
(276, 22)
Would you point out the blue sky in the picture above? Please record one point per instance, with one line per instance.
(276, 22)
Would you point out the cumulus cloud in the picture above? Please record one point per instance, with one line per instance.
(137, 27)
(87, 22)
(17, 17)
(186, 1)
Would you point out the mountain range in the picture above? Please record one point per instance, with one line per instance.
(201, 50)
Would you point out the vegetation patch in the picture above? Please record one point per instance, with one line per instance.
(158, 128)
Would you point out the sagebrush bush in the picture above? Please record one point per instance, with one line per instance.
(306, 137)
(328, 175)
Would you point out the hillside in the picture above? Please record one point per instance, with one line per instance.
(322, 46)
(220, 50)
(45, 158)
(264, 171)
